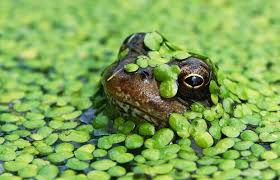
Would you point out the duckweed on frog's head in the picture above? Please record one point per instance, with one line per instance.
(153, 78)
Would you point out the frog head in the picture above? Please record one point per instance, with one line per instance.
(153, 78)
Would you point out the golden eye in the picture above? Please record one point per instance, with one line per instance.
(194, 80)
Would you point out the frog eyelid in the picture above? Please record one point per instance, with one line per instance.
(201, 62)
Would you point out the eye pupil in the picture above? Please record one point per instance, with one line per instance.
(194, 80)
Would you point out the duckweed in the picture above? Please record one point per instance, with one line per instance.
(163, 137)
(227, 164)
(180, 55)
(241, 164)
(231, 154)
(268, 174)
(230, 131)
(98, 175)
(153, 41)
(230, 174)
(9, 127)
(188, 156)
(117, 171)
(75, 136)
(180, 124)
(85, 152)
(33, 124)
(99, 153)
(168, 88)
(257, 149)
(40, 162)
(24, 157)
(162, 168)
(48, 172)
(64, 147)
(82, 155)
(14, 166)
(203, 139)
(124, 158)
(51, 139)
(134, 141)
(151, 154)
(170, 149)
(131, 67)
(76, 164)
(116, 151)
(51, 123)
(207, 170)
(103, 164)
(146, 129)
(142, 61)
(183, 164)
(139, 159)
(29, 171)
(243, 145)
(165, 72)
(100, 121)
(59, 156)
(127, 127)
(7, 154)
(8, 118)
(259, 164)
(269, 155)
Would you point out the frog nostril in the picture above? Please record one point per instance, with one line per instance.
(194, 80)
(145, 74)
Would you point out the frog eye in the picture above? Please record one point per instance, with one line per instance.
(194, 80)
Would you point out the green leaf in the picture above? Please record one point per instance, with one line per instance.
(153, 40)
(181, 55)
(168, 89)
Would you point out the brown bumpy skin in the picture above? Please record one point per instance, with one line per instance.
(137, 93)
(141, 92)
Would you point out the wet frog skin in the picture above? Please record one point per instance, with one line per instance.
(137, 93)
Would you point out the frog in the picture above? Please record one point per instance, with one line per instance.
(137, 94)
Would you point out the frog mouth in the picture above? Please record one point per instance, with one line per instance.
(128, 109)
